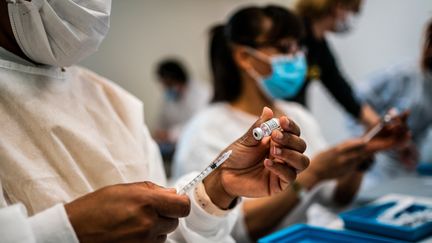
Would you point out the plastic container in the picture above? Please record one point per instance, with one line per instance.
(365, 219)
(425, 169)
(302, 233)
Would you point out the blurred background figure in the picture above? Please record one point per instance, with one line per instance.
(321, 17)
(405, 86)
(183, 97)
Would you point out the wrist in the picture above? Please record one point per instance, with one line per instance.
(299, 190)
(368, 116)
(216, 191)
(308, 179)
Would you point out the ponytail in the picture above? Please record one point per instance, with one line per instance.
(426, 58)
(226, 76)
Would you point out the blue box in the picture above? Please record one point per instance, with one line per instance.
(302, 233)
(365, 219)
(424, 168)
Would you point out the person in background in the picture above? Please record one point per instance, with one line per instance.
(321, 17)
(405, 86)
(256, 62)
(183, 97)
(75, 151)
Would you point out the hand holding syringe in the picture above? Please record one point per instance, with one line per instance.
(388, 118)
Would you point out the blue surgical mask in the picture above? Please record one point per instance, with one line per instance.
(172, 95)
(287, 77)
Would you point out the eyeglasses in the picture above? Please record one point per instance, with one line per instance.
(285, 47)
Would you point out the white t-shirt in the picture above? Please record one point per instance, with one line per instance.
(219, 125)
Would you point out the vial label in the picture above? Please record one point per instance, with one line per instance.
(266, 128)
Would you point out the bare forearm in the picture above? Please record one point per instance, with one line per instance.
(347, 187)
(263, 214)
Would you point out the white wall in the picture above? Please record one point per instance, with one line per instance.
(144, 31)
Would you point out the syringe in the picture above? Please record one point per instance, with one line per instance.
(388, 118)
(213, 166)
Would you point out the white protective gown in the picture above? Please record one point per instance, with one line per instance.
(67, 133)
(219, 124)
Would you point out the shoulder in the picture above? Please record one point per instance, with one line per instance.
(393, 75)
(209, 117)
(300, 115)
(113, 91)
(296, 111)
(390, 81)
(309, 126)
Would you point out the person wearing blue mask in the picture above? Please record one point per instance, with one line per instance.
(183, 97)
(256, 62)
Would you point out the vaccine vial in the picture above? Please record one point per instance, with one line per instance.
(265, 129)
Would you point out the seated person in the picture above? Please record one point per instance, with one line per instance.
(406, 86)
(256, 62)
(183, 97)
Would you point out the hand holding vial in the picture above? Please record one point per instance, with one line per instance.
(257, 168)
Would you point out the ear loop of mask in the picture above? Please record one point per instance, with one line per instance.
(259, 55)
(255, 75)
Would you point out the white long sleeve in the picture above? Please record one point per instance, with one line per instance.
(200, 226)
(51, 225)
(14, 225)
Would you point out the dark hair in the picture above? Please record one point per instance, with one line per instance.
(244, 27)
(426, 58)
(317, 9)
(172, 69)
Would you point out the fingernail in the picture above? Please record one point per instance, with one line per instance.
(287, 120)
(279, 135)
(269, 162)
(277, 151)
(262, 112)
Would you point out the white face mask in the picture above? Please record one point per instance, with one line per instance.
(59, 32)
(347, 24)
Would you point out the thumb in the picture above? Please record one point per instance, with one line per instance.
(248, 138)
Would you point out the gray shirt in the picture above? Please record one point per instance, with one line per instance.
(404, 87)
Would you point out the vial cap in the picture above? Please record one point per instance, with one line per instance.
(258, 133)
